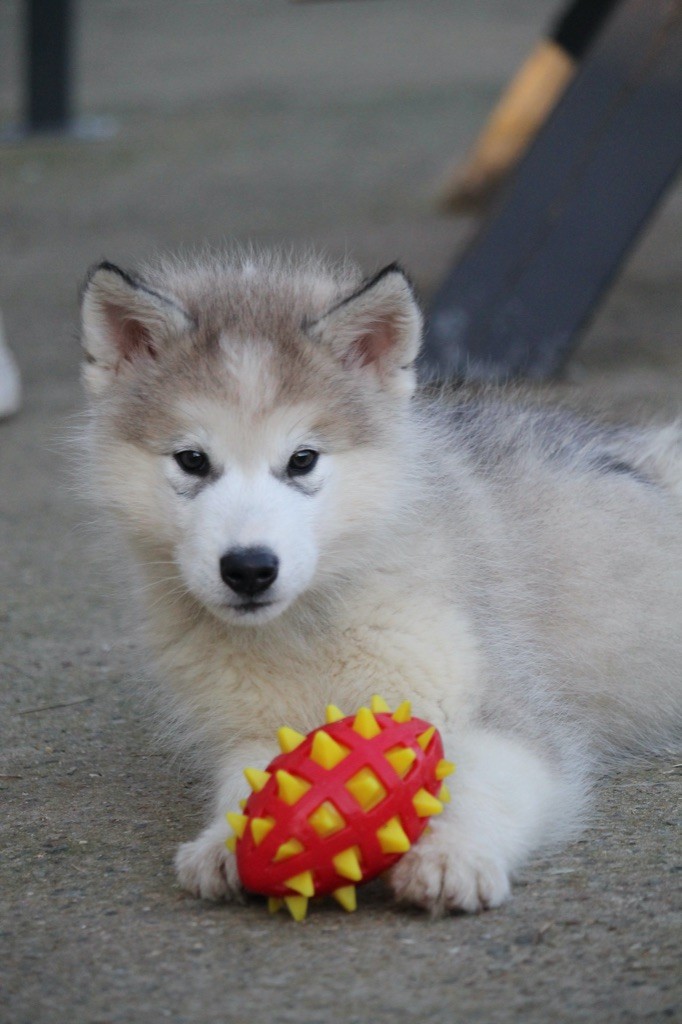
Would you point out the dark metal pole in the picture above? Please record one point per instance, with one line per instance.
(48, 45)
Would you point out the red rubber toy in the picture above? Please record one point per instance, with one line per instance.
(339, 806)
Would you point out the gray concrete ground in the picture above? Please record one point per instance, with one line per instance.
(324, 124)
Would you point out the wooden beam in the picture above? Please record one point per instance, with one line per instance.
(515, 301)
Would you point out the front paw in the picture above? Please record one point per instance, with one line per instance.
(443, 872)
(206, 868)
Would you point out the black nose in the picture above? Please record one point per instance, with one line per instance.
(249, 571)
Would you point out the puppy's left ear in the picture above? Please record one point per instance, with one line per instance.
(125, 323)
(376, 329)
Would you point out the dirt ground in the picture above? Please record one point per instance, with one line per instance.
(325, 124)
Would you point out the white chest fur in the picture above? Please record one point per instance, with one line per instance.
(231, 683)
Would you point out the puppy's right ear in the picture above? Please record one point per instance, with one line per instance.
(124, 321)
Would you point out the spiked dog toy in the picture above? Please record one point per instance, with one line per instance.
(338, 806)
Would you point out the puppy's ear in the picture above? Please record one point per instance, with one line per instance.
(376, 329)
(124, 320)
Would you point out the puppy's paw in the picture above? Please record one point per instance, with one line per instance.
(206, 868)
(444, 873)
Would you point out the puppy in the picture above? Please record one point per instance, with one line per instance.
(309, 527)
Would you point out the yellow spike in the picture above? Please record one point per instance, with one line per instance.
(256, 778)
(289, 787)
(326, 820)
(243, 803)
(274, 904)
(302, 883)
(288, 849)
(366, 789)
(231, 844)
(444, 794)
(392, 837)
(289, 739)
(325, 751)
(378, 704)
(347, 864)
(366, 725)
(425, 804)
(297, 906)
(402, 759)
(403, 713)
(333, 714)
(426, 737)
(444, 768)
(260, 828)
(346, 896)
(238, 823)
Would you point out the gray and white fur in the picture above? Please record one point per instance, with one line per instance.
(309, 528)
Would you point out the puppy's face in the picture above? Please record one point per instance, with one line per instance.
(244, 502)
(254, 457)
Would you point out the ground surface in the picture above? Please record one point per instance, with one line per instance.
(326, 124)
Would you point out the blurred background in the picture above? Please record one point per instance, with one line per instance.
(282, 123)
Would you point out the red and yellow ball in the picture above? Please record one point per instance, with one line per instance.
(339, 806)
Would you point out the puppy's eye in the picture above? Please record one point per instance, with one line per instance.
(302, 462)
(193, 462)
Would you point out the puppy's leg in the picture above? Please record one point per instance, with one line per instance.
(506, 802)
(205, 867)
